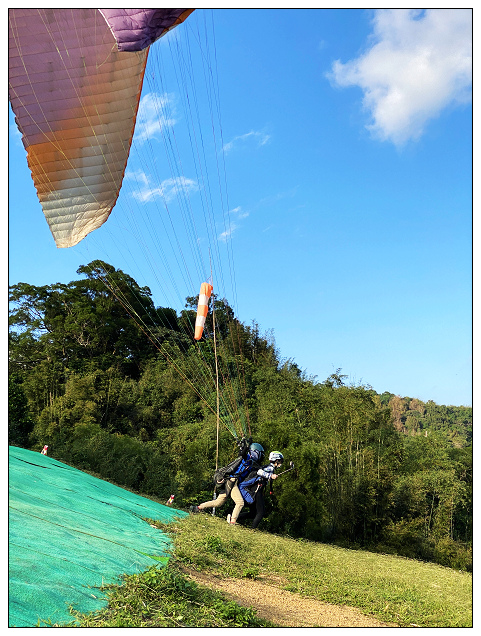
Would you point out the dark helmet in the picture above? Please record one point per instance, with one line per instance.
(256, 451)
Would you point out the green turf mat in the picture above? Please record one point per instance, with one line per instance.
(69, 533)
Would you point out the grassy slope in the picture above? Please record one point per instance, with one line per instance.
(393, 589)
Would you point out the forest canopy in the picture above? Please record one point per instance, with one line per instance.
(117, 386)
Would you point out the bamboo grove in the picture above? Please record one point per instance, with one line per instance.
(380, 472)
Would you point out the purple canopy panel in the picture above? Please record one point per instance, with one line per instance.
(135, 29)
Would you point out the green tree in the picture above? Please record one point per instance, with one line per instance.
(91, 323)
(20, 420)
(118, 386)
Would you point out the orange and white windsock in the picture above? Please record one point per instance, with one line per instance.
(202, 309)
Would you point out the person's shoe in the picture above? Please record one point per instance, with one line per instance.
(228, 518)
(194, 509)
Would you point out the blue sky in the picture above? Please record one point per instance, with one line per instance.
(329, 182)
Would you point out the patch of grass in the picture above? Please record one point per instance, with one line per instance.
(251, 573)
(164, 597)
(391, 588)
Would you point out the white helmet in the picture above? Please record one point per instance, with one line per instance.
(275, 456)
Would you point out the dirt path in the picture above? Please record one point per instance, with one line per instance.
(285, 608)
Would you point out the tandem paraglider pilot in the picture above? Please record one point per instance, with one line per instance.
(253, 487)
(227, 479)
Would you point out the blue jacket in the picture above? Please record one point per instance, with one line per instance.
(245, 467)
(254, 482)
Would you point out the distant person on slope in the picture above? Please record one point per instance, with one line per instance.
(252, 488)
(227, 479)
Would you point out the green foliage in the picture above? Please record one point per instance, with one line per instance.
(413, 417)
(251, 572)
(20, 420)
(164, 597)
(453, 554)
(378, 471)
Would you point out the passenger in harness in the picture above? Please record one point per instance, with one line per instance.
(227, 479)
(252, 488)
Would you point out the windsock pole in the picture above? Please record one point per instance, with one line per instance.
(217, 391)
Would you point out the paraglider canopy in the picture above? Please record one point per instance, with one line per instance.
(136, 29)
(75, 78)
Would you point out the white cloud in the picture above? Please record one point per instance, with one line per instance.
(257, 137)
(137, 175)
(419, 62)
(154, 115)
(239, 212)
(225, 236)
(167, 190)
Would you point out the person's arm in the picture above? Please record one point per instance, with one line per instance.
(265, 472)
(243, 446)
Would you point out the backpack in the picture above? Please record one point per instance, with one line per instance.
(240, 468)
(221, 473)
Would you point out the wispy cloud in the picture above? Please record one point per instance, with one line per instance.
(256, 138)
(227, 235)
(155, 114)
(273, 198)
(238, 214)
(419, 63)
(166, 190)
